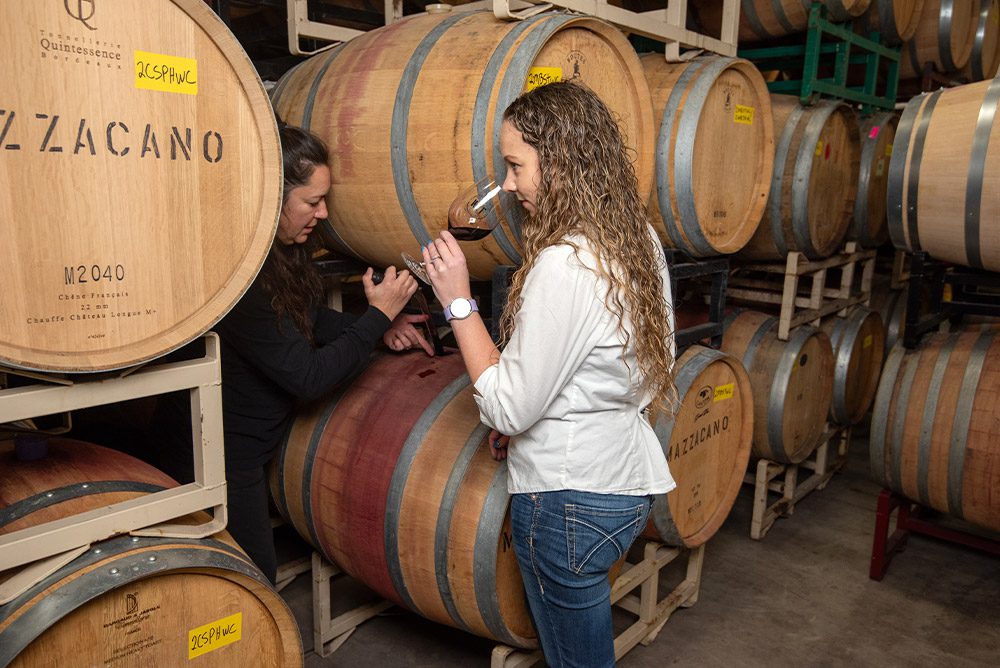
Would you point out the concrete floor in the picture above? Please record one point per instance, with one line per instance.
(799, 597)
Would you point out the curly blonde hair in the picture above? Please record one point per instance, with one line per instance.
(588, 187)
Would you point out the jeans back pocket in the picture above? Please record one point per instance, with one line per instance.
(598, 537)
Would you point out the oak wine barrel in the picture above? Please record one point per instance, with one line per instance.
(985, 58)
(714, 152)
(392, 480)
(858, 341)
(792, 383)
(868, 226)
(944, 37)
(412, 114)
(762, 20)
(894, 20)
(707, 445)
(939, 196)
(814, 181)
(146, 127)
(131, 600)
(934, 433)
(891, 306)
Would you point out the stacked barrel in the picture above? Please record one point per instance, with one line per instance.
(160, 163)
(933, 439)
(171, 195)
(827, 187)
(412, 113)
(129, 599)
(828, 372)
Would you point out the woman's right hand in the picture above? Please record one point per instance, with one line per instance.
(498, 445)
(392, 294)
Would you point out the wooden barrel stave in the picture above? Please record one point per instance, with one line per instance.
(414, 506)
(792, 383)
(814, 181)
(169, 201)
(933, 435)
(714, 152)
(397, 158)
(716, 412)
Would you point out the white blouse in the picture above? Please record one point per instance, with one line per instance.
(564, 392)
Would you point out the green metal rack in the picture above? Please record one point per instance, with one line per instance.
(830, 44)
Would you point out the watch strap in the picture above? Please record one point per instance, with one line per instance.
(449, 316)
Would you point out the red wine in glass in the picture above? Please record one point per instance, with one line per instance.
(474, 213)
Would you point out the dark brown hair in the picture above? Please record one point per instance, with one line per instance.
(288, 274)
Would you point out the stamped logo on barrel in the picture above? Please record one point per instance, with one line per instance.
(81, 10)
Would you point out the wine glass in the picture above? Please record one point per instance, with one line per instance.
(416, 268)
(476, 210)
(471, 217)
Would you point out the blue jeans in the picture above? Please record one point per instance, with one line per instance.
(566, 542)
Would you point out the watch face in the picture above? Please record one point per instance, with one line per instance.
(460, 308)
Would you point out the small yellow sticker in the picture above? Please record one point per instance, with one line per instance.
(723, 392)
(539, 76)
(867, 343)
(743, 114)
(888, 151)
(211, 637)
(819, 148)
(170, 74)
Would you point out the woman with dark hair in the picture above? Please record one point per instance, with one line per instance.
(589, 352)
(280, 345)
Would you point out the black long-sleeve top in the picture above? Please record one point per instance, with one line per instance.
(269, 367)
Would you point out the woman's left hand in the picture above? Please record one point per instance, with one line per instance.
(445, 265)
(402, 335)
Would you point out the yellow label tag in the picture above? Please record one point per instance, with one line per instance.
(170, 74)
(539, 76)
(819, 148)
(867, 343)
(211, 637)
(743, 115)
(946, 292)
(723, 392)
(888, 151)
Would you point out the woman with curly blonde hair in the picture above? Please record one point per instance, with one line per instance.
(589, 350)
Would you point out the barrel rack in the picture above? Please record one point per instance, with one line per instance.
(758, 283)
(47, 547)
(823, 463)
(909, 520)
(953, 291)
(832, 45)
(651, 611)
(668, 24)
(636, 591)
(713, 275)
